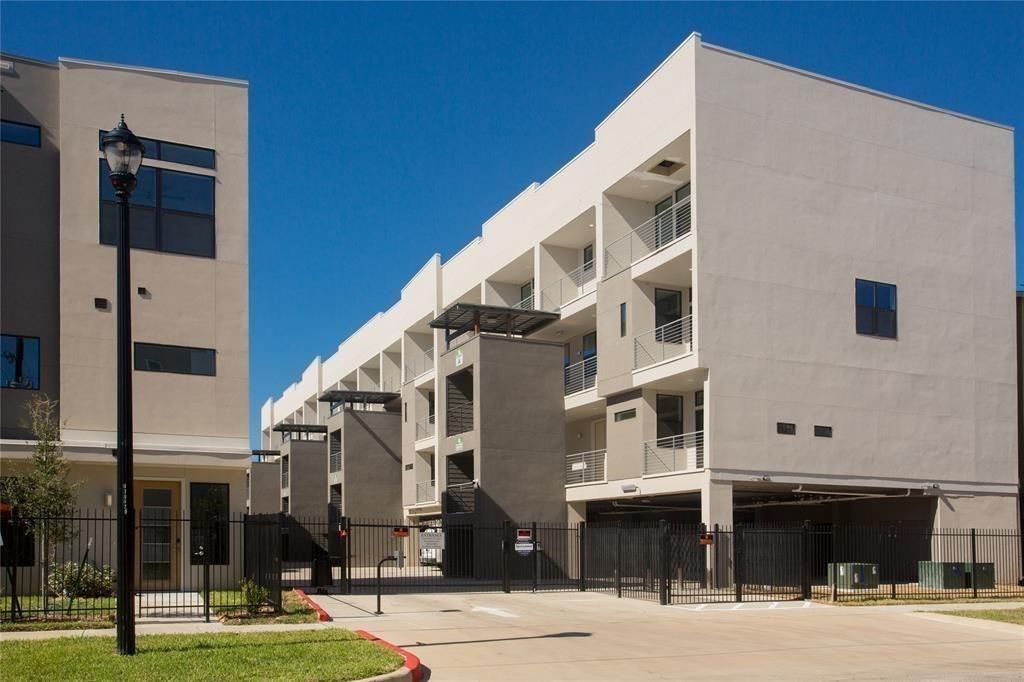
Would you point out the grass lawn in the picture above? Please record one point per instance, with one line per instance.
(327, 654)
(906, 602)
(1015, 616)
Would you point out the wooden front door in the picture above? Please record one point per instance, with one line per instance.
(158, 535)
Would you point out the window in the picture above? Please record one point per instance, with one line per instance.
(209, 522)
(588, 258)
(668, 308)
(176, 153)
(155, 357)
(822, 431)
(670, 417)
(525, 292)
(785, 428)
(19, 133)
(285, 506)
(19, 356)
(876, 309)
(170, 211)
(622, 319)
(625, 414)
(698, 411)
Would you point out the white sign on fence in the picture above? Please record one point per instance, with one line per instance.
(430, 540)
(524, 547)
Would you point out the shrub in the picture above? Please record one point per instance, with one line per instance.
(64, 581)
(254, 595)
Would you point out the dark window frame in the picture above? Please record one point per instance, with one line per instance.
(867, 317)
(158, 211)
(39, 363)
(38, 131)
(622, 321)
(785, 428)
(624, 415)
(679, 412)
(157, 144)
(135, 356)
(216, 524)
(821, 431)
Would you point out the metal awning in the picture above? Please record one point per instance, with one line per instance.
(364, 397)
(266, 453)
(460, 318)
(301, 428)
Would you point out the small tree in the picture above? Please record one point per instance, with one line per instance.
(41, 492)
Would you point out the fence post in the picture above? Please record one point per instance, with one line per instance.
(974, 563)
(533, 555)
(583, 555)
(346, 574)
(737, 560)
(206, 569)
(663, 562)
(805, 560)
(833, 577)
(895, 547)
(506, 557)
(618, 560)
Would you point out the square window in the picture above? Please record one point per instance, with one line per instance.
(876, 309)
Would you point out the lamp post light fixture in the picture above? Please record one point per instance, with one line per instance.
(123, 153)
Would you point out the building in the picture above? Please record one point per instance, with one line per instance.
(189, 284)
(760, 294)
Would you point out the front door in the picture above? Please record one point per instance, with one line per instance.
(158, 535)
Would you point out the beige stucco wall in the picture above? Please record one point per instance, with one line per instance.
(803, 185)
(200, 302)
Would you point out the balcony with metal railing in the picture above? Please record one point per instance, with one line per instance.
(459, 419)
(582, 468)
(568, 288)
(667, 227)
(426, 492)
(684, 452)
(580, 376)
(525, 304)
(662, 343)
(419, 364)
(425, 428)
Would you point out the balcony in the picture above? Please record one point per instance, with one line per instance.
(580, 376)
(426, 492)
(684, 452)
(525, 304)
(459, 419)
(585, 467)
(663, 229)
(667, 341)
(419, 365)
(568, 288)
(425, 428)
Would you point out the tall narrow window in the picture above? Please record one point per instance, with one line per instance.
(698, 411)
(670, 417)
(588, 258)
(19, 360)
(668, 311)
(876, 308)
(622, 319)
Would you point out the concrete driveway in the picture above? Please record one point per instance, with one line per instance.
(586, 636)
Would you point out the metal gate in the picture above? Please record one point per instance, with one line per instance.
(262, 553)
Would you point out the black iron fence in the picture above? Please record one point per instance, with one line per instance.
(65, 567)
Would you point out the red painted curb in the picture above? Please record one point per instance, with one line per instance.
(412, 662)
(321, 615)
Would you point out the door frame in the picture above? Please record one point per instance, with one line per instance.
(184, 538)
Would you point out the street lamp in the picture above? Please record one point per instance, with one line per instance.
(123, 152)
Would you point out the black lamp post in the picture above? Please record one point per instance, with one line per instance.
(123, 152)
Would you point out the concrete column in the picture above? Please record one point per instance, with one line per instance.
(716, 503)
(577, 512)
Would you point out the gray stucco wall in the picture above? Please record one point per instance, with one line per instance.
(307, 477)
(264, 487)
(372, 465)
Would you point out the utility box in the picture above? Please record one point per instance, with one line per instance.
(942, 575)
(853, 576)
(981, 576)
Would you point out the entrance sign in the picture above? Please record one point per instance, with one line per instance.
(432, 540)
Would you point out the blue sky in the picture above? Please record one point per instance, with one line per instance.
(368, 123)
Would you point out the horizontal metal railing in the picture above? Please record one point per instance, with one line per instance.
(671, 224)
(684, 452)
(580, 376)
(425, 427)
(585, 467)
(667, 341)
(419, 365)
(568, 288)
(459, 419)
(461, 498)
(426, 491)
(525, 304)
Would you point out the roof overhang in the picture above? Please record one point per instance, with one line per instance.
(301, 428)
(460, 318)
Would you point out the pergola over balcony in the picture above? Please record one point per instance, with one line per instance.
(339, 398)
(301, 431)
(460, 318)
